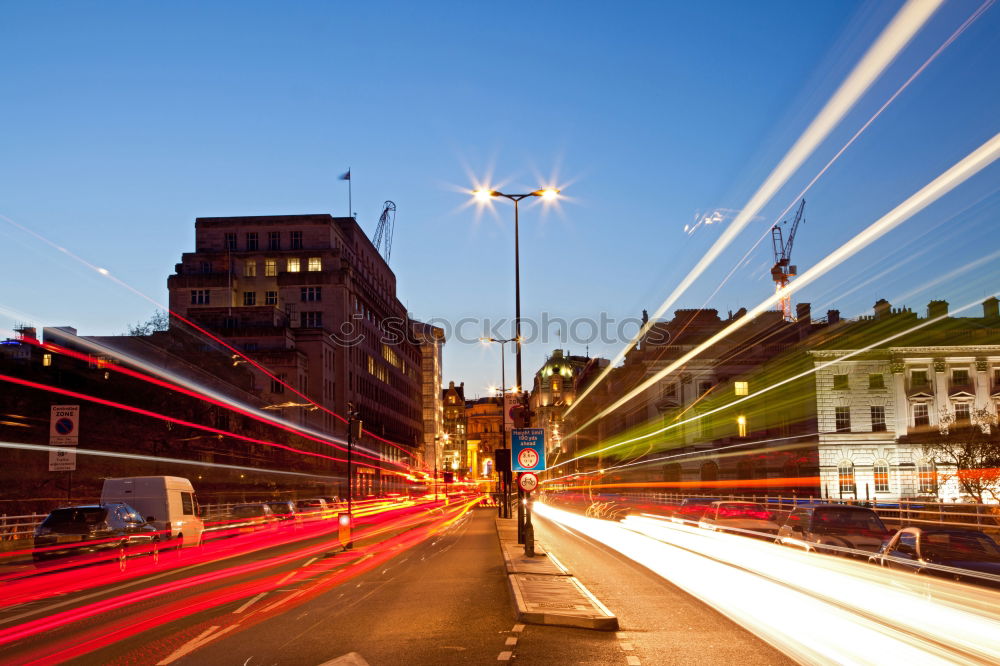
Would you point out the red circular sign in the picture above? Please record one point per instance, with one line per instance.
(528, 481)
(527, 458)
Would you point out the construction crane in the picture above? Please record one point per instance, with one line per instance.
(783, 269)
(383, 233)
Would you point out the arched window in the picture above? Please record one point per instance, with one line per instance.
(927, 477)
(845, 474)
(881, 476)
(709, 472)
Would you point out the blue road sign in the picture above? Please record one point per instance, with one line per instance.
(527, 450)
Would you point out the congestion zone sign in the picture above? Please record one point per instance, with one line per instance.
(528, 449)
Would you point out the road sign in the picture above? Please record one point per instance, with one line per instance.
(528, 481)
(64, 425)
(528, 449)
(62, 461)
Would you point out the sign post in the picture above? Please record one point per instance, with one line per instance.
(528, 458)
(64, 430)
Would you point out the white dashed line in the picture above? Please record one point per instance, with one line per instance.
(249, 603)
(505, 655)
(287, 577)
(518, 627)
(633, 660)
(310, 561)
(628, 647)
(511, 641)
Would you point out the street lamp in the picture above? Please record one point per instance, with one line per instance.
(505, 476)
(486, 194)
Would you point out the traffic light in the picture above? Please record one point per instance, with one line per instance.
(448, 477)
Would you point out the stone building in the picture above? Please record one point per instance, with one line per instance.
(553, 392)
(431, 340)
(485, 434)
(311, 300)
(454, 451)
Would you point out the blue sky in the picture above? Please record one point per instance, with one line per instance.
(124, 121)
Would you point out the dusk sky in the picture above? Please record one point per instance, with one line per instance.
(123, 122)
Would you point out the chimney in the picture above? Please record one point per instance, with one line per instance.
(991, 308)
(27, 332)
(803, 312)
(882, 308)
(832, 316)
(937, 309)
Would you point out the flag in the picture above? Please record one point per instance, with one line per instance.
(345, 176)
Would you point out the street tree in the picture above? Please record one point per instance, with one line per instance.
(972, 449)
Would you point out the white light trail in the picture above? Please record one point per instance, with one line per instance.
(910, 19)
(816, 608)
(972, 164)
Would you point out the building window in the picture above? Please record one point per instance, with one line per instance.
(878, 418)
(876, 381)
(250, 347)
(270, 298)
(845, 475)
(670, 390)
(250, 269)
(926, 477)
(270, 267)
(230, 242)
(960, 377)
(294, 265)
(840, 383)
(741, 426)
(252, 240)
(996, 377)
(277, 383)
(555, 386)
(918, 379)
(706, 427)
(881, 476)
(296, 240)
(273, 240)
(921, 417)
(962, 412)
(199, 297)
(842, 416)
(315, 264)
(311, 319)
(310, 294)
(742, 388)
(46, 360)
(249, 298)
(206, 267)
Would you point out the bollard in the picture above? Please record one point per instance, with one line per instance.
(529, 540)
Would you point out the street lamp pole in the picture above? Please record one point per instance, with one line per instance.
(504, 477)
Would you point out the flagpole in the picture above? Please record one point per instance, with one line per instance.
(350, 202)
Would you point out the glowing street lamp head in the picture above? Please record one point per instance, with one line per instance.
(547, 194)
(483, 195)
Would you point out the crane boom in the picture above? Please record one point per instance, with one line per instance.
(782, 269)
(382, 240)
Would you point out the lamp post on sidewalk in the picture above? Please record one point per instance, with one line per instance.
(353, 433)
(504, 476)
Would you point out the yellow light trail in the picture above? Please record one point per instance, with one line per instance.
(972, 164)
(883, 51)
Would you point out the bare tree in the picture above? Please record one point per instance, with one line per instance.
(158, 321)
(973, 449)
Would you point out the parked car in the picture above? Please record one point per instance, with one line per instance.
(315, 508)
(244, 518)
(284, 510)
(690, 510)
(94, 533)
(738, 516)
(838, 525)
(166, 502)
(920, 549)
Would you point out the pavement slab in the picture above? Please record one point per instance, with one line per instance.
(559, 600)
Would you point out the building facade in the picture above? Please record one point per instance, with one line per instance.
(431, 340)
(553, 392)
(454, 449)
(485, 435)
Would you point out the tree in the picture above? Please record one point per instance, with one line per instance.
(972, 449)
(158, 321)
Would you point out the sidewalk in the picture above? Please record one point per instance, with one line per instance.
(544, 591)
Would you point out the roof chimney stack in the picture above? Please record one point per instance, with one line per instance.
(832, 316)
(937, 309)
(991, 308)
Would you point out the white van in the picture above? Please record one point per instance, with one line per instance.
(167, 502)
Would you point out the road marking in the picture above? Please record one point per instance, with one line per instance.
(286, 578)
(511, 641)
(195, 643)
(518, 627)
(628, 647)
(247, 604)
(504, 656)
(278, 603)
(633, 660)
(310, 561)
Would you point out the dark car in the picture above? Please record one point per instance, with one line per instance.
(927, 550)
(315, 508)
(842, 526)
(94, 533)
(691, 509)
(284, 510)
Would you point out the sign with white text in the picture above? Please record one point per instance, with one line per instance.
(528, 449)
(64, 425)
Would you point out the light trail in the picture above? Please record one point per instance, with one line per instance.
(756, 394)
(817, 609)
(910, 19)
(972, 164)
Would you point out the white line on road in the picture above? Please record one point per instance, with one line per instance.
(505, 655)
(511, 641)
(518, 627)
(628, 647)
(633, 660)
(286, 577)
(249, 603)
(310, 561)
(195, 643)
